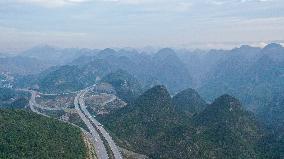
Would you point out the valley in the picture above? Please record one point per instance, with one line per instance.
(141, 79)
(136, 106)
(95, 129)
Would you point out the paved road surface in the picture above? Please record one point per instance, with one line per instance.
(99, 145)
(88, 120)
(105, 134)
(33, 104)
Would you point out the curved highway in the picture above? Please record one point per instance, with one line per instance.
(105, 134)
(90, 122)
(33, 105)
(99, 145)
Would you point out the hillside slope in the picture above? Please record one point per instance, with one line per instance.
(152, 126)
(229, 130)
(127, 86)
(27, 135)
(189, 101)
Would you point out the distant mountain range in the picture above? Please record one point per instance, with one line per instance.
(254, 75)
(20, 65)
(56, 56)
(39, 58)
(164, 117)
(161, 68)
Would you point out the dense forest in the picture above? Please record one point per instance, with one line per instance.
(27, 135)
(163, 127)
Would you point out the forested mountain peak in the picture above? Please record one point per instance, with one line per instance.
(189, 101)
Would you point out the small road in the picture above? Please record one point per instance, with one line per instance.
(105, 134)
(99, 145)
(33, 104)
(57, 94)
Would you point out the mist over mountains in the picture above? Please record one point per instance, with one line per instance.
(254, 75)
(141, 79)
(180, 103)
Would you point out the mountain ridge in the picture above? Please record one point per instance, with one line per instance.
(152, 126)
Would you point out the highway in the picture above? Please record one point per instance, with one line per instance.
(88, 119)
(99, 145)
(105, 134)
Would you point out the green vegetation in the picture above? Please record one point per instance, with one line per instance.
(230, 131)
(127, 86)
(9, 98)
(6, 94)
(19, 103)
(255, 76)
(189, 101)
(72, 78)
(153, 127)
(65, 78)
(150, 126)
(75, 119)
(27, 135)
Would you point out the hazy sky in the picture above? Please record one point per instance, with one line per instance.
(139, 23)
